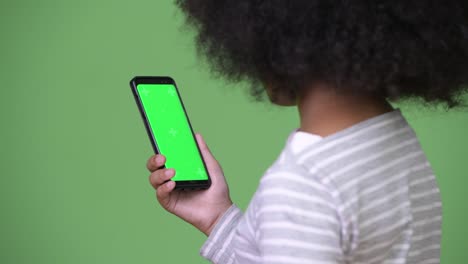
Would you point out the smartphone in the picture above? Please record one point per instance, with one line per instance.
(170, 131)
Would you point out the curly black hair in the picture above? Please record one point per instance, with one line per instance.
(395, 49)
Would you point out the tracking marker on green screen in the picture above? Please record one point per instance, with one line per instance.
(171, 130)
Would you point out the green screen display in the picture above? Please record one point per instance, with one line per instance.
(171, 131)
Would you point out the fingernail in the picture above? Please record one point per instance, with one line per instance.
(159, 159)
(168, 172)
(170, 184)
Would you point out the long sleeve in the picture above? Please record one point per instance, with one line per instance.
(296, 222)
(218, 248)
(364, 195)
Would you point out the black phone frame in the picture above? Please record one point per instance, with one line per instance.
(194, 184)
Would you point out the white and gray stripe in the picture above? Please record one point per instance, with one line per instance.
(366, 194)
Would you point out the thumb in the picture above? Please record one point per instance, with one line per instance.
(210, 161)
(203, 147)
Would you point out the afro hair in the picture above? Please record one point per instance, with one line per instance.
(392, 49)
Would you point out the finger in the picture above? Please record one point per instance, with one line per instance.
(201, 143)
(210, 161)
(155, 162)
(159, 177)
(205, 151)
(163, 192)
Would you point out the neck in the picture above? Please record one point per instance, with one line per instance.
(324, 112)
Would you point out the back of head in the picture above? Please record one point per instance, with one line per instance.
(391, 49)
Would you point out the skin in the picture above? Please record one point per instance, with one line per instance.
(322, 112)
(201, 208)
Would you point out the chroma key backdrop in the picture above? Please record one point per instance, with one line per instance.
(74, 186)
(171, 129)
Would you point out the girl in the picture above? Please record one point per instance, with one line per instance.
(352, 184)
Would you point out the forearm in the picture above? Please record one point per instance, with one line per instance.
(218, 247)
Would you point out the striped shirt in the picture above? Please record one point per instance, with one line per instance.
(366, 194)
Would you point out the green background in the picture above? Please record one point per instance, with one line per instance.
(74, 188)
(171, 130)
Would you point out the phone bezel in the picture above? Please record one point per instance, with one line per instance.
(193, 184)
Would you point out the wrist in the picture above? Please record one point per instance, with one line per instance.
(219, 214)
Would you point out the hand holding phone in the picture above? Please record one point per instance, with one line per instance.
(201, 208)
(169, 130)
(161, 108)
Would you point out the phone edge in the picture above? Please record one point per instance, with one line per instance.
(179, 184)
